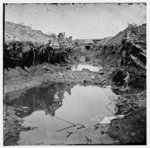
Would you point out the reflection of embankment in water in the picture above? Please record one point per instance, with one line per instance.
(80, 67)
(40, 98)
(63, 114)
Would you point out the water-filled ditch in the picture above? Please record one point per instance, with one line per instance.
(64, 114)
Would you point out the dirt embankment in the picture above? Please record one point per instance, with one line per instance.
(127, 52)
(131, 129)
(22, 33)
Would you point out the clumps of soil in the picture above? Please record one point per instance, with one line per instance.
(128, 102)
(131, 129)
(12, 126)
(118, 77)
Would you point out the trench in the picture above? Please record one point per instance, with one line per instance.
(63, 113)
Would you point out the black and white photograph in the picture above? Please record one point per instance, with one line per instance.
(74, 73)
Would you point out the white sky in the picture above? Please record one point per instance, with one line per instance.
(79, 21)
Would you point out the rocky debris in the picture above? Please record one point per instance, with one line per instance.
(132, 104)
(130, 48)
(107, 120)
(128, 102)
(12, 126)
(127, 52)
(131, 129)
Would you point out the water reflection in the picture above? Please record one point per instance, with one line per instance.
(60, 110)
(48, 99)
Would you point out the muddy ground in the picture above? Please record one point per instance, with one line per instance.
(17, 81)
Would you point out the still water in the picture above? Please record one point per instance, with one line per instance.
(80, 67)
(64, 114)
